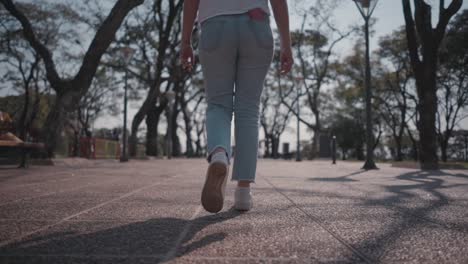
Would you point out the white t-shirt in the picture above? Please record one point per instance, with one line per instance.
(212, 8)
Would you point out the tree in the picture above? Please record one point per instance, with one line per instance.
(70, 90)
(424, 43)
(349, 133)
(191, 99)
(393, 89)
(22, 69)
(100, 97)
(452, 81)
(315, 46)
(274, 115)
(349, 94)
(151, 32)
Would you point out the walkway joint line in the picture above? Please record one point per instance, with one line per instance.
(172, 253)
(20, 237)
(319, 223)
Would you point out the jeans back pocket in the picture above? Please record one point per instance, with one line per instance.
(211, 34)
(262, 32)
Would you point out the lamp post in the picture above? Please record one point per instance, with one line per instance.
(366, 8)
(126, 54)
(170, 95)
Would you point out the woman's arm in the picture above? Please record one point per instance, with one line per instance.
(280, 11)
(186, 51)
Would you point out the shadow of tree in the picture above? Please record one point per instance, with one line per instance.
(414, 211)
(345, 178)
(151, 240)
(413, 198)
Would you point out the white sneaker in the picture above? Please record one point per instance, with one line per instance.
(243, 199)
(216, 177)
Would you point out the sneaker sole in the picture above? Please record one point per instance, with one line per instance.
(213, 191)
(243, 207)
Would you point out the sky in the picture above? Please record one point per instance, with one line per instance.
(388, 15)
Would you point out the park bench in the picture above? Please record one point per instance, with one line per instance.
(11, 146)
(23, 149)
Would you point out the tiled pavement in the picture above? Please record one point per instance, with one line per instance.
(309, 212)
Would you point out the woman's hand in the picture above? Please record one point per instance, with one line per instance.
(186, 52)
(286, 59)
(186, 57)
(280, 11)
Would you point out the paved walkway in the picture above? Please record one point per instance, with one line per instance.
(309, 212)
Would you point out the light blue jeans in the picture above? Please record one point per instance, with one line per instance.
(235, 53)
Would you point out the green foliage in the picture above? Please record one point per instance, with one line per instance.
(312, 38)
(350, 135)
(14, 105)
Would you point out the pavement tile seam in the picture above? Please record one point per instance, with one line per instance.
(267, 259)
(412, 218)
(58, 171)
(262, 259)
(4, 243)
(398, 209)
(55, 192)
(172, 253)
(357, 252)
(405, 211)
(70, 174)
(98, 256)
(160, 258)
(403, 208)
(88, 220)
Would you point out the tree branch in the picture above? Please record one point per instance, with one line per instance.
(40, 48)
(411, 34)
(445, 14)
(103, 38)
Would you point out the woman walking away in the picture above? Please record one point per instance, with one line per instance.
(236, 50)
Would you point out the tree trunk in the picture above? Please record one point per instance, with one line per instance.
(423, 45)
(55, 121)
(443, 150)
(360, 152)
(399, 154)
(152, 122)
(198, 147)
(70, 91)
(133, 139)
(188, 134)
(443, 141)
(267, 144)
(275, 147)
(176, 147)
(76, 143)
(314, 152)
(22, 122)
(427, 112)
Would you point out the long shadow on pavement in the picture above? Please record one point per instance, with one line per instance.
(344, 178)
(135, 242)
(407, 198)
(415, 211)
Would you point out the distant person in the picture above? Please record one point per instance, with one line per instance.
(236, 50)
